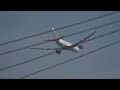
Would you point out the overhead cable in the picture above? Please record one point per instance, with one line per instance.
(39, 57)
(61, 28)
(36, 44)
(58, 64)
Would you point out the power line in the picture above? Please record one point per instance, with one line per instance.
(71, 25)
(33, 59)
(12, 66)
(90, 29)
(50, 67)
(15, 50)
(83, 31)
(115, 31)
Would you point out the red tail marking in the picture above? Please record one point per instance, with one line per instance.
(55, 34)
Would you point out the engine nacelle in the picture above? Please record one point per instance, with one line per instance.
(58, 51)
(81, 46)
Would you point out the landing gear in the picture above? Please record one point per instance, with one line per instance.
(58, 51)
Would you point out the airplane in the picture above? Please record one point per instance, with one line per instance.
(65, 45)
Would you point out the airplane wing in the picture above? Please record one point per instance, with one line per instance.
(82, 41)
(47, 48)
(68, 47)
(56, 39)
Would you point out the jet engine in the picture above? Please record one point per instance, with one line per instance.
(58, 51)
(81, 46)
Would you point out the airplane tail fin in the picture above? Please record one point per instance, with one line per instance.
(55, 36)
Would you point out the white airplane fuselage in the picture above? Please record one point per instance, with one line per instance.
(63, 43)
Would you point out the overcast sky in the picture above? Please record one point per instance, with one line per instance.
(104, 63)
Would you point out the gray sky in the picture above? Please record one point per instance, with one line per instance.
(101, 64)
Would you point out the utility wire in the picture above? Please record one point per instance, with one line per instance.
(91, 29)
(83, 31)
(12, 66)
(50, 67)
(115, 31)
(71, 25)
